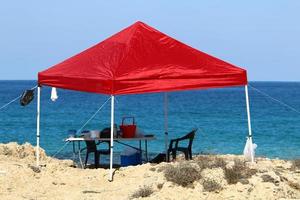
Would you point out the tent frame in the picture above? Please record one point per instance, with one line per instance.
(38, 126)
(249, 123)
(112, 127)
(112, 111)
(166, 123)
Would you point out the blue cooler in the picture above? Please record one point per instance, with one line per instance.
(130, 157)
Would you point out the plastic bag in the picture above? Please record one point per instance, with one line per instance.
(249, 150)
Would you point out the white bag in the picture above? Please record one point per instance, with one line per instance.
(249, 150)
(54, 94)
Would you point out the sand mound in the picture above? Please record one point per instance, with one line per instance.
(219, 177)
(15, 150)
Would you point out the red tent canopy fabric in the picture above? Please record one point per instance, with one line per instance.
(140, 59)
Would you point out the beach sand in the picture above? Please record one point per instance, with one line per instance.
(59, 179)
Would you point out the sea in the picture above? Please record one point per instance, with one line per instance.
(219, 115)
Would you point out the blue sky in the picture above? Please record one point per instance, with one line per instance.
(260, 36)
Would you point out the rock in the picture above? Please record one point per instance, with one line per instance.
(271, 177)
(244, 181)
(35, 169)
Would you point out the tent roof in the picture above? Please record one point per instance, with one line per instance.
(140, 59)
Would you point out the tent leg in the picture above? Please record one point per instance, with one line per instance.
(166, 123)
(38, 127)
(111, 138)
(249, 122)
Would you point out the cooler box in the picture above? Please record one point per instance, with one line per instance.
(130, 157)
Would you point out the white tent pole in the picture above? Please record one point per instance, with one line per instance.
(111, 138)
(38, 127)
(249, 122)
(166, 122)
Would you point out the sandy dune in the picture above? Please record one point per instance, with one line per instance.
(57, 179)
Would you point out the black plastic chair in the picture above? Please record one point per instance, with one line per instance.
(91, 147)
(173, 147)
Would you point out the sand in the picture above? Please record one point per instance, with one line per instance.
(59, 179)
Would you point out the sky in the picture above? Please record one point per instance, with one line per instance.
(260, 36)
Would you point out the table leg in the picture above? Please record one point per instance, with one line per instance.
(146, 150)
(79, 155)
(140, 149)
(74, 152)
(140, 146)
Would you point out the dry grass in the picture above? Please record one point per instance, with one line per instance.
(219, 162)
(144, 191)
(183, 174)
(205, 162)
(211, 185)
(238, 171)
(232, 176)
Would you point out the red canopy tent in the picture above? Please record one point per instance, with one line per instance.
(141, 59)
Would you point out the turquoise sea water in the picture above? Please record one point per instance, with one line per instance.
(219, 115)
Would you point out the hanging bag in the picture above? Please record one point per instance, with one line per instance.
(26, 97)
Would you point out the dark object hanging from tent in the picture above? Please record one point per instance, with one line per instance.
(26, 97)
